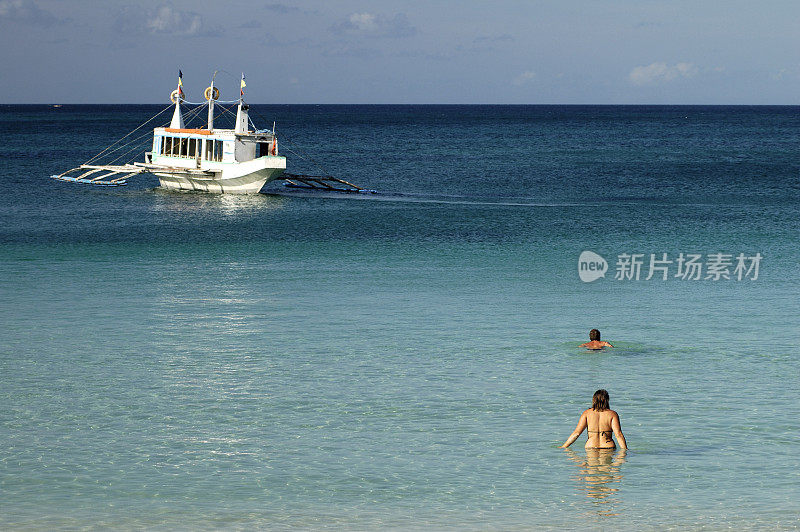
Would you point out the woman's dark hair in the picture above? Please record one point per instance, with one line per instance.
(600, 401)
(594, 335)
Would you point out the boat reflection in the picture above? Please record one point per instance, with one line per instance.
(224, 204)
(599, 477)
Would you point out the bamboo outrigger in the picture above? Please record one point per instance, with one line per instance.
(322, 182)
(124, 171)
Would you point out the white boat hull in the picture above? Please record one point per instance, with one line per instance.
(240, 178)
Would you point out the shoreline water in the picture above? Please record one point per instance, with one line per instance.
(179, 360)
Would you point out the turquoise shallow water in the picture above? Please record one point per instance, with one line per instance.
(407, 360)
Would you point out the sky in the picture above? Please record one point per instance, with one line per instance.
(381, 51)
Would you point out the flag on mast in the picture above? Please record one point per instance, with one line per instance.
(180, 82)
(241, 93)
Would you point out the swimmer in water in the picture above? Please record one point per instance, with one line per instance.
(600, 422)
(594, 342)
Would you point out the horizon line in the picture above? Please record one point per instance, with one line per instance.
(459, 104)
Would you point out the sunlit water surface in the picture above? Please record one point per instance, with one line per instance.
(404, 360)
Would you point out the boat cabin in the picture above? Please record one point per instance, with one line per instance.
(207, 149)
(177, 146)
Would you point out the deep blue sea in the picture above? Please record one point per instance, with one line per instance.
(408, 359)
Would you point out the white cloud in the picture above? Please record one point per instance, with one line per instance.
(7, 7)
(790, 73)
(363, 21)
(168, 20)
(525, 77)
(26, 12)
(660, 72)
(284, 9)
(371, 25)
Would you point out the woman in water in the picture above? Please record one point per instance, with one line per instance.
(600, 421)
(594, 343)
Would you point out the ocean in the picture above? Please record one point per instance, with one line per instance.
(407, 359)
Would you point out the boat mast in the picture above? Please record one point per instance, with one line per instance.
(242, 118)
(211, 103)
(177, 116)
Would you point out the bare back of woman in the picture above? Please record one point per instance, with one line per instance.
(599, 425)
(600, 422)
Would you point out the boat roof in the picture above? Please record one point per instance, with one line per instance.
(226, 133)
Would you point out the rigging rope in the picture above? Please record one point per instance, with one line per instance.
(191, 115)
(286, 148)
(136, 146)
(229, 112)
(184, 102)
(313, 162)
(134, 141)
(126, 136)
(137, 141)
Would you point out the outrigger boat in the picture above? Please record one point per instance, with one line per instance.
(229, 161)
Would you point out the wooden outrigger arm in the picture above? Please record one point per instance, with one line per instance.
(86, 170)
(322, 182)
(86, 174)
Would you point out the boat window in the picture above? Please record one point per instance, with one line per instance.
(218, 150)
(209, 150)
(184, 145)
(192, 147)
(166, 146)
